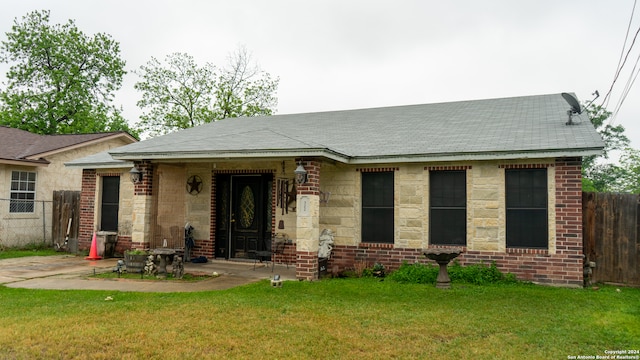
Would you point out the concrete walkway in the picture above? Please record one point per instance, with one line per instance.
(69, 272)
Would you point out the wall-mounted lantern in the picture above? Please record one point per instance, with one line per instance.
(135, 175)
(301, 174)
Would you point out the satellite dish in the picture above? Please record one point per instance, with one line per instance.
(573, 102)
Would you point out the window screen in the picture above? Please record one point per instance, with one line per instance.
(377, 207)
(448, 207)
(526, 206)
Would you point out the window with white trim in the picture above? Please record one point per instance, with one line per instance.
(23, 192)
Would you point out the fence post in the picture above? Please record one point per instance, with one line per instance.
(44, 224)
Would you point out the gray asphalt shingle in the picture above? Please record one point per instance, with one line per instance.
(528, 124)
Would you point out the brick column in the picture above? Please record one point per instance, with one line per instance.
(308, 222)
(569, 219)
(87, 208)
(142, 207)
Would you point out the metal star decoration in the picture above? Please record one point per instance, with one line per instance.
(194, 185)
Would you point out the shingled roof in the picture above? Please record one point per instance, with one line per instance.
(19, 146)
(504, 128)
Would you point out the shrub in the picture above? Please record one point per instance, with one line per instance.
(478, 274)
(415, 274)
(136, 252)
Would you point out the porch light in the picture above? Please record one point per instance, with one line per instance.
(135, 175)
(301, 174)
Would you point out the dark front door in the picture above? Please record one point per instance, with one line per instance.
(243, 216)
(110, 203)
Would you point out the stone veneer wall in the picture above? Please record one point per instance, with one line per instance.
(308, 232)
(142, 206)
(560, 264)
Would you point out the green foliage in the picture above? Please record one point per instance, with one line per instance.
(602, 176)
(136, 252)
(28, 250)
(180, 94)
(60, 81)
(137, 276)
(416, 273)
(478, 274)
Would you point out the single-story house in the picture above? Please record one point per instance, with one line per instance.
(499, 179)
(32, 168)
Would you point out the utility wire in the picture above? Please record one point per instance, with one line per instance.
(605, 100)
(632, 78)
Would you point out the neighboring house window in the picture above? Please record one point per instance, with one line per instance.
(377, 207)
(526, 205)
(23, 192)
(448, 207)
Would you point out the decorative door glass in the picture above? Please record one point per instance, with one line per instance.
(247, 207)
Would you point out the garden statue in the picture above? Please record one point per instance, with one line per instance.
(178, 267)
(326, 244)
(150, 267)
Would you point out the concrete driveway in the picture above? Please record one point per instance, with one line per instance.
(69, 272)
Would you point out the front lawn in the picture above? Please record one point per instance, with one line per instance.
(31, 250)
(362, 318)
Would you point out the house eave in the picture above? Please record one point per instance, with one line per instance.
(230, 155)
(25, 162)
(127, 138)
(332, 155)
(102, 165)
(477, 156)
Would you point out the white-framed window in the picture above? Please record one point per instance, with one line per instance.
(23, 192)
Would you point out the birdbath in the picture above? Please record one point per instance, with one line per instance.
(442, 257)
(163, 254)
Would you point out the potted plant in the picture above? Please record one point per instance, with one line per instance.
(134, 260)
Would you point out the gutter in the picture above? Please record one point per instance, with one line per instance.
(328, 154)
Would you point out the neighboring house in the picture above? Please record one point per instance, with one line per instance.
(31, 169)
(498, 178)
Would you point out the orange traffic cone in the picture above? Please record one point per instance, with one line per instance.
(93, 253)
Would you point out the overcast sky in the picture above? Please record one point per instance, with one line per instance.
(340, 54)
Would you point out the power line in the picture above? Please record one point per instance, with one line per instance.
(632, 79)
(621, 62)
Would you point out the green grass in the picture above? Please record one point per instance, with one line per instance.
(168, 277)
(362, 318)
(32, 250)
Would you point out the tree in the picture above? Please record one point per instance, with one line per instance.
(179, 94)
(629, 174)
(601, 176)
(60, 81)
(243, 89)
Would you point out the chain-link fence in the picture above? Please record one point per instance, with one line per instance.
(25, 222)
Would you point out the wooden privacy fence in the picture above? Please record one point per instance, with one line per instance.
(610, 235)
(66, 206)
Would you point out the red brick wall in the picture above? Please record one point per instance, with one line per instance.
(87, 208)
(124, 243)
(307, 265)
(144, 187)
(312, 186)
